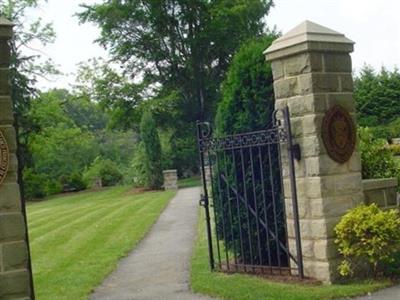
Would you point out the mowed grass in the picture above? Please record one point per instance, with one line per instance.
(77, 240)
(189, 182)
(240, 286)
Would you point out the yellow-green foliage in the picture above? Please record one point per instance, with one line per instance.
(395, 149)
(376, 159)
(367, 236)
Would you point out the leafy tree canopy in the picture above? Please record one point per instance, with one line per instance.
(116, 94)
(26, 64)
(178, 46)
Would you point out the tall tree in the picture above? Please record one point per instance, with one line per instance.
(152, 151)
(182, 47)
(247, 105)
(27, 63)
(117, 95)
(247, 93)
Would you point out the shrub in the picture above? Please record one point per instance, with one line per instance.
(138, 168)
(37, 185)
(387, 132)
(367, 235)
(376, 159)
(105, 169)
(392, 269)
(247, 93)
(152, 151)
(73, 182)
(247, 105)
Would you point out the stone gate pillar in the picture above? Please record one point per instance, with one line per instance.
(14, 257)
(311, 67)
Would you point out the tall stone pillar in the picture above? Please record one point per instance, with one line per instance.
(14, 256)
(312, 75)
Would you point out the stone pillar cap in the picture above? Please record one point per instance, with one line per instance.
(5, 22)
(308, 36)
(170, 171)
(5, 28)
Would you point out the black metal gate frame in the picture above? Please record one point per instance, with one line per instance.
(277, 135)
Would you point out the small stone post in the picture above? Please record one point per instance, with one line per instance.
(14, 257)
(311, 67)
(170, 179)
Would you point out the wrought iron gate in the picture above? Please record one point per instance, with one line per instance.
(243, 184)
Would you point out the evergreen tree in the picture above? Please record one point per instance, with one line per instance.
(377, 96)
(152, 147)
(247, 92)
(247, 105)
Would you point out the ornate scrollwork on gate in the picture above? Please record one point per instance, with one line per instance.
(252, 139)
(4, 158)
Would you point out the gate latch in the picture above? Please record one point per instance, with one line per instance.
(202, 201)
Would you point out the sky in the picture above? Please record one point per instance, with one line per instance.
(373, 25)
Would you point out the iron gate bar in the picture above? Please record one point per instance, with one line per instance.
(230, 210)
(283, 200)
(239, 141)
(264, 203)
(271, 269)
(222, 212)
(205, 198)
(253, 217)
(247, 206)
(256, 206)
(274, 206)
(263, 224)
(213, 206)
(238, 205)
(286, 116)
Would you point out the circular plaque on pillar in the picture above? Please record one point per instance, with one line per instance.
(4, 157)
(338, 134)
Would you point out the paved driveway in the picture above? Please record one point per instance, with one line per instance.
(159, 267)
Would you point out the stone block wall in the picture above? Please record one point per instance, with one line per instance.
(310, 84)
(14, 256)
(170, 179)
(311, 75)
(383, 192)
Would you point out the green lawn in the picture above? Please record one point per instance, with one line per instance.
(77, 240)
(239, 286)
(189, 182)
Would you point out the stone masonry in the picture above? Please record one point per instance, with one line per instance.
(170, 179)
(14, 271)
(312, 72)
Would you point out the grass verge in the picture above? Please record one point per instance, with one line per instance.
(189, 182)
(240, 286)
(76, 240)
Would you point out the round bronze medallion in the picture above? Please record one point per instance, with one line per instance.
(4, 157)
(338, 134)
